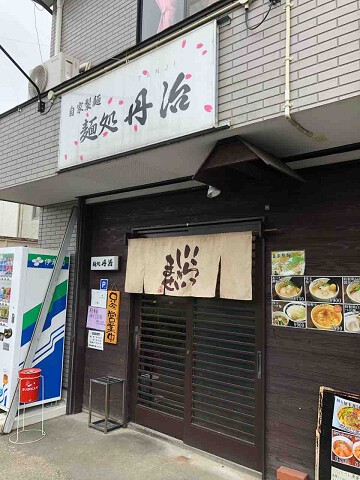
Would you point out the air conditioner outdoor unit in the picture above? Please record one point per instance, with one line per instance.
(54, 71)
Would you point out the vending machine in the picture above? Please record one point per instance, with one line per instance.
(24, 277)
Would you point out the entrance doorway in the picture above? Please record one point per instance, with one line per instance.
(197, 371)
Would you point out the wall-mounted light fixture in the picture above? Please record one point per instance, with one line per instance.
(213, 192)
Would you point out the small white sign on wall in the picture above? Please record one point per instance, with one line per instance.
(96, 340)
(99, 298)
(105, 263)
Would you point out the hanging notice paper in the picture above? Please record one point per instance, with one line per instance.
(96, 318)
(98, 298)
(96, 340)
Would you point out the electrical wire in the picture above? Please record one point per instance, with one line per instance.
(37, 34)
(41, 9)
(23, 41)
(272, 3)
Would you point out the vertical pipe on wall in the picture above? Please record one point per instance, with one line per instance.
(58, 28)
(288, 59)
(18, 226)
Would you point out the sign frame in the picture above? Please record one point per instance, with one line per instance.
(194, 56)
(324, 462)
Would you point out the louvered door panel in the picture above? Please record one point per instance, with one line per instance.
(161, 370)
(224, 368)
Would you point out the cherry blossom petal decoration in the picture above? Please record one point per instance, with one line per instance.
(183, 44)
(208, 108)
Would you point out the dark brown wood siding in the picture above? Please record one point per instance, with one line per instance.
(321, 216)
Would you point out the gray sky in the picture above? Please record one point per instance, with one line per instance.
(18, 36)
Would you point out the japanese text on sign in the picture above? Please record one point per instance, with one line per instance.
(96, 318)
(165, 94)
(95, 340)
(104, 263)
(112, 320)
(185, 270)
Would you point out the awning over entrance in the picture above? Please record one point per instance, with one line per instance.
(233, 158)
(189, 266)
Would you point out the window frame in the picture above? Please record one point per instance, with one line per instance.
(185, 21)
(35, 213)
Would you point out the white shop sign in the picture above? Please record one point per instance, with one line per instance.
(165, 94)
(105, 263)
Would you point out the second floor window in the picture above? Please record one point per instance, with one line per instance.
(158, 15)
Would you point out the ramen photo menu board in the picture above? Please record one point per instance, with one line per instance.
(329, 303)
(338, 436)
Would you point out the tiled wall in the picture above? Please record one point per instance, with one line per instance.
(95, 31)
(28, 145)
(325, 46)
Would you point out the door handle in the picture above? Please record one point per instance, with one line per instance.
(136, 338)
(259, 365)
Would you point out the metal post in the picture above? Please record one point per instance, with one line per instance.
(107, 386)
(35, 339)
(124, 404)
(90, 403)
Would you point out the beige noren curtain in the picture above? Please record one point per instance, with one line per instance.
(188, 266)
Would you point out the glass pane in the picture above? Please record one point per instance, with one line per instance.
(157, 15)
(194, 6)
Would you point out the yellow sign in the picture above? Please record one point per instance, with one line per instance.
(112, 317)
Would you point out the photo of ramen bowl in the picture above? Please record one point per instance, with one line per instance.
(326, 317)
(280, 319)
(349, 418)
(296, 312)
(352, 322)
(342, 447)
(286, 289)
(353, 292)
(356, 451)
(323, 289)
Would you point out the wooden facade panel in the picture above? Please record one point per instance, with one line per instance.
(320, 216)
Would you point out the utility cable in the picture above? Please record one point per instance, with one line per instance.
(41, 9)
(23, 41)
(37, 34)
(272, 3)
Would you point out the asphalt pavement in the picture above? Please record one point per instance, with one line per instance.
(72, 451)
